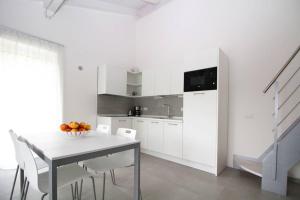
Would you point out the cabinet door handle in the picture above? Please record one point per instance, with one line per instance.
(122, 120)
(173, 124)
(154, 122)
(198, 93)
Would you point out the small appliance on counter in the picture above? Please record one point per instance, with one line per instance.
(137, 111)
(130, 113)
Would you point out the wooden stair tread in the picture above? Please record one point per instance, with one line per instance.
(253, 167)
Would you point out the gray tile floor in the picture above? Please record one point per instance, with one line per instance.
(163, 180)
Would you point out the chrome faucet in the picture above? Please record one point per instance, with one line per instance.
(168, 106)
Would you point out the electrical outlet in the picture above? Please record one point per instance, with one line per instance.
(145, 108)
(181, 109)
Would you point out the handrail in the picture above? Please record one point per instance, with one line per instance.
(281, 70)
(286, 116)
(287, 82)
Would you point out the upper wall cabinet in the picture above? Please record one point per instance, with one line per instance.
(148, 82)
(162, 81)
(176, 81)
(112, 80)
(194, 60)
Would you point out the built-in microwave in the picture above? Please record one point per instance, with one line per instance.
(202, 79)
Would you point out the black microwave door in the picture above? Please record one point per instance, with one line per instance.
(204, 79)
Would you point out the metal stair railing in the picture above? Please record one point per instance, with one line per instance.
(278, 106)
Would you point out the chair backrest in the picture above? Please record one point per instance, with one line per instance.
(126, 156)
(126, 132)
(18, 152)
(103, 128)
(30, 168)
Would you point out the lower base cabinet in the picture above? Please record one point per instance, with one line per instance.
(120, 123)
(173, 139)
(159, 136)
(162, 137)
(156, 136)
(142, 129)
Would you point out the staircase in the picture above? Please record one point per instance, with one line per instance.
(273, 165)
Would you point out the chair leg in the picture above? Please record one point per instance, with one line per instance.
(113, 171)
(103, 189)
(93, 181)
(23, 188)
(113, 177)
(80, 191)
(13, 187)
(76, 190)
(26, 191)
(72, 190)
(44, 196)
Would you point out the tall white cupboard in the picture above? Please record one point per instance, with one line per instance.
(205, 116)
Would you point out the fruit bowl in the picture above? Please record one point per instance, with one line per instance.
(78, 133)
(75, 128)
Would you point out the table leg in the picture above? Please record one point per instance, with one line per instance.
(52, 181)
(136, 188)
(21, 179)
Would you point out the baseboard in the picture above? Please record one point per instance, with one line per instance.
(202, 167)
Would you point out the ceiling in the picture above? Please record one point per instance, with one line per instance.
(130, 7)
(135, 4)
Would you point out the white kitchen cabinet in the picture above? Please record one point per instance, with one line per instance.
(112, 80)
(200, 127)
(162, 81)
(115, 122)
(205, 115)
(148, 82)
(156, 136)
(118, 122)
(142, 128)
(173, 139)
(176, 81)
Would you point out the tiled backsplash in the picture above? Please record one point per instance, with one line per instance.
(155, 105)
(110, 104)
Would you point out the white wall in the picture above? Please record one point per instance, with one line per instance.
(90, 38)
(257, 36)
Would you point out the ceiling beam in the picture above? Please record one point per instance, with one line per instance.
(52, 7)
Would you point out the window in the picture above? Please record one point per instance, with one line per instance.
(30, 86)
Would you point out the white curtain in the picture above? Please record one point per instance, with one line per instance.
(30, 88)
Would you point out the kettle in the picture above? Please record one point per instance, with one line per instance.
(130, 113)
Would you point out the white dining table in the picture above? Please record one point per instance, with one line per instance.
(58, 148)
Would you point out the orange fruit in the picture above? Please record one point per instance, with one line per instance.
(82, 124)
(81, 129)
(87, 127)
(74, 130)
(73, 125)
(64, 127)
(68, 129)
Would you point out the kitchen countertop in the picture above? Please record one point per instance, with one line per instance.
(154, 117)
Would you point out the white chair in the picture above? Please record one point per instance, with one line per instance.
(103, 128)
(113, 161)
(66, 175)
(40, 163)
